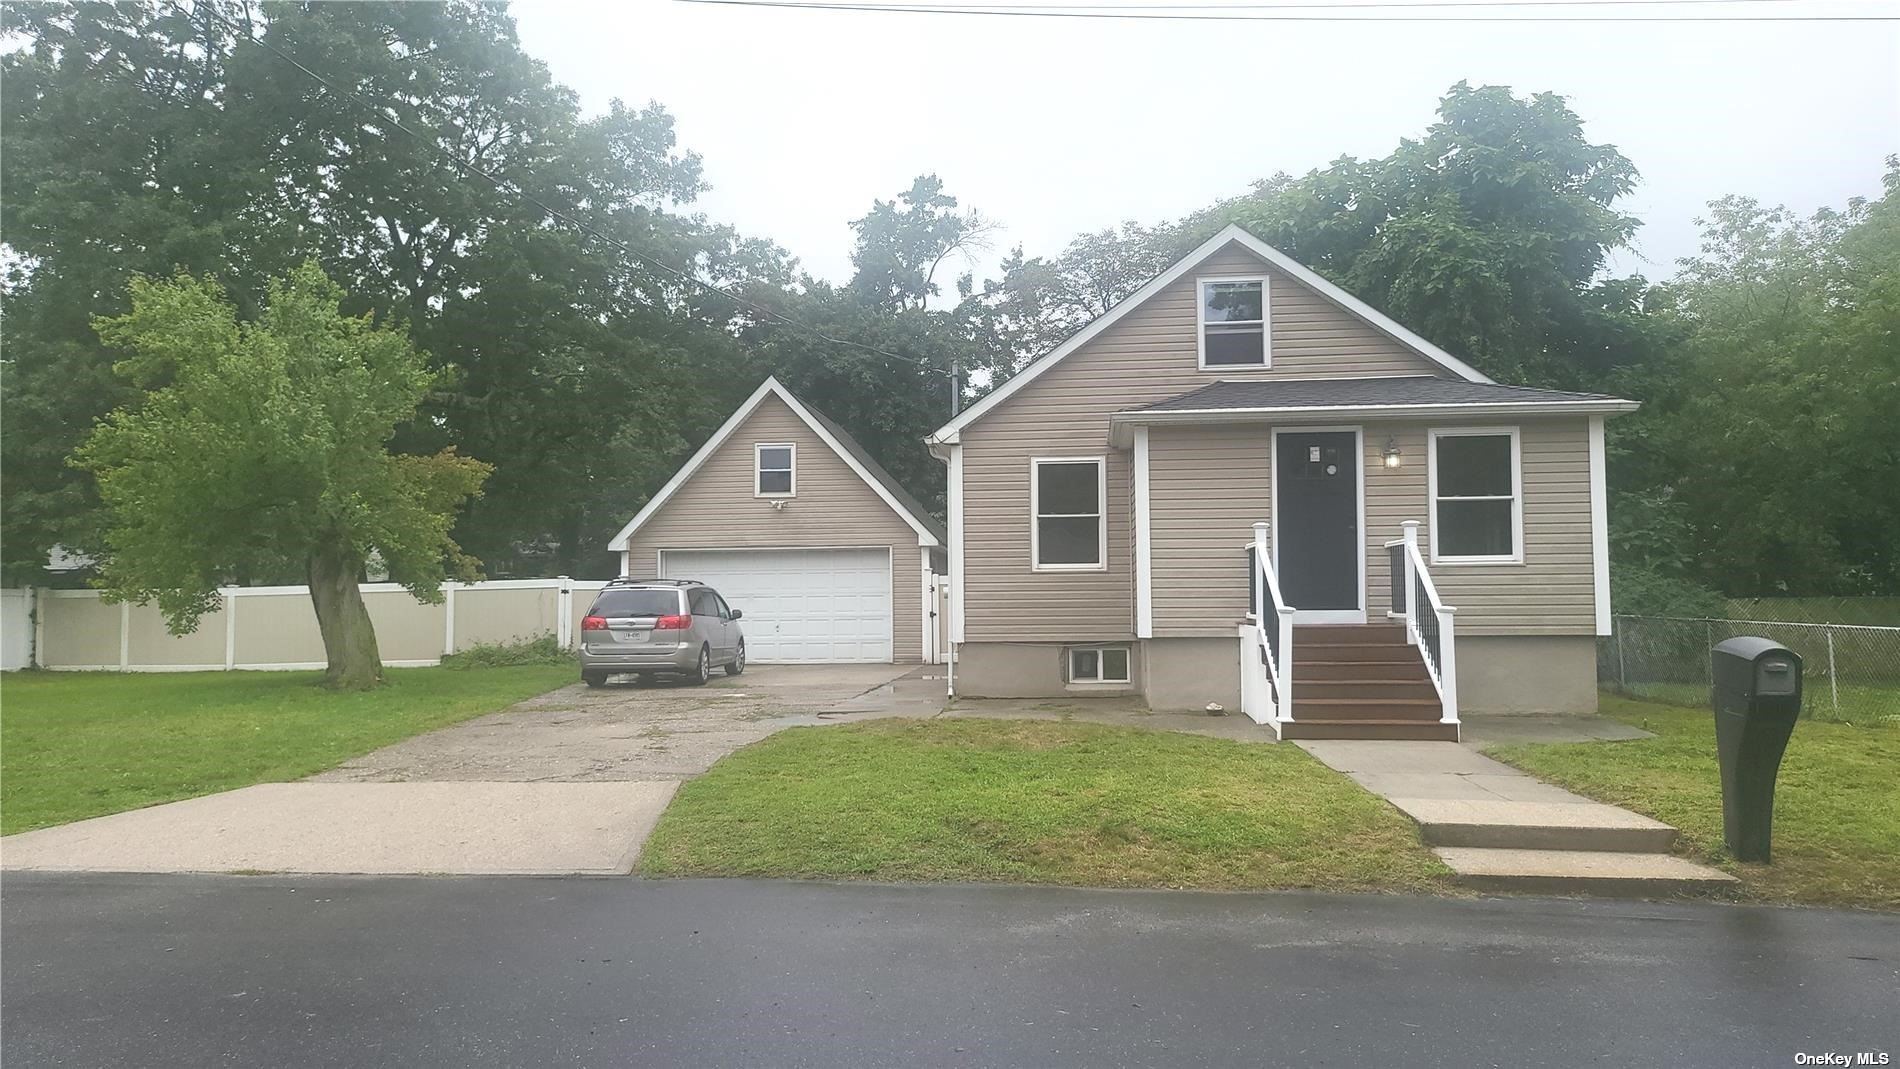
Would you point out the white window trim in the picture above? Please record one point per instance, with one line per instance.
(1100, 665)
(1517, 494)
(1266, 322)
(1101, 515)
(758, 460)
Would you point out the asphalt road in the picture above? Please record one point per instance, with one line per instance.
(265, 971)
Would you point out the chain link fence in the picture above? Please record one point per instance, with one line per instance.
(1850, 672)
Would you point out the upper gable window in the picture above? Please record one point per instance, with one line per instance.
(773, 470)
(1233, 322)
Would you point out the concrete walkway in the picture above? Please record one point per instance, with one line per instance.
(503, 829)
(1500, 829)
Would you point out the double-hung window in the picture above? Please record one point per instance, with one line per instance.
(1477, 496)
(1233, 322)
(1098, 664)
(1066, 531)
(773, 474)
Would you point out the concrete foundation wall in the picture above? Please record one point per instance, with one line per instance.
(1188, 673)
(1030, 670)
(1527, 674)
(1496, 674)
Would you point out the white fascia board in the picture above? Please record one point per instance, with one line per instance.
(1231, 233)
(770, 386)
(1122, 423)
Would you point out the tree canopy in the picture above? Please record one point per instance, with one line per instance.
(585, 351)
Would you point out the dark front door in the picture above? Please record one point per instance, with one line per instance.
(1316, 520)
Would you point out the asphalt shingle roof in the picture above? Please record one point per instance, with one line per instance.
(1331, 393)
(885, 478)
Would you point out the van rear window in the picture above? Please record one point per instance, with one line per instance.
(636, 603)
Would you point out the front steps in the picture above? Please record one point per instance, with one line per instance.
(1583, 872)
(1501, 830)
(1362, 682)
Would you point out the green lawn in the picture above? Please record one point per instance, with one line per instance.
(1837, 805)
(1860, 704)
(76, 745)
(1036, 802)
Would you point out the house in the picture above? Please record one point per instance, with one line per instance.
(793, 522)
(1204, 496)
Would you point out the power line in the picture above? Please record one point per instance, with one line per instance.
(1332, 6)
(506, 185)
(1108, 11)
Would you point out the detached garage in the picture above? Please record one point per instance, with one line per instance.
(792, 521)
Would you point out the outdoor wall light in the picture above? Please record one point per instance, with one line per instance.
(1391, 452)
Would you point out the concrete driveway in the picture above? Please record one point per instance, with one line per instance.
(659, 731)
(570, 782)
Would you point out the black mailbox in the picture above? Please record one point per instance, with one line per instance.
(1757, 696)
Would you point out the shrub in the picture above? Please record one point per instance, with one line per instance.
(543, 650)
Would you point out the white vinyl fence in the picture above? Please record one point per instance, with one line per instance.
(16, 629)
(274, 627)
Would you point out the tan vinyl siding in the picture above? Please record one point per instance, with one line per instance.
(716, 509)
(1207, 486)
(1553, 591)
(1149, 355)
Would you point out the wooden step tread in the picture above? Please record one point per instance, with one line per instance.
(1432, 702)
(1410, 730)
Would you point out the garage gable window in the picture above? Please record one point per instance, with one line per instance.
(774, 470)
(1066, 528)
(1477, 496)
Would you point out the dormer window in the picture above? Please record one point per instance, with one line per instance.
(773, 468)
(1233, 322)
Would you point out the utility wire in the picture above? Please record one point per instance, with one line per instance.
(506, 185)
(1108, 12)
(1420, 5)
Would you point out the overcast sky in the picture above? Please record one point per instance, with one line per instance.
(1056, 126)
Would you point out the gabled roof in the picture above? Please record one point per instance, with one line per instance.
(1232, 233)
(907, 507)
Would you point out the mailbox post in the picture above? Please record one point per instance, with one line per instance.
(1757, 696)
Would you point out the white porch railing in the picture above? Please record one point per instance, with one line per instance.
(1428, 620)
(1266, 641)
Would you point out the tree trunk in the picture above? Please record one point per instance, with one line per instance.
(349, 639)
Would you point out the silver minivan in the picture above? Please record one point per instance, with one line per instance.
(653, 626)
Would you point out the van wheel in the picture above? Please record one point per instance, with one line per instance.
(704, 672)
(594, 679)
(738, 661)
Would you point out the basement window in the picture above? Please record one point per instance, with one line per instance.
(1098, 664)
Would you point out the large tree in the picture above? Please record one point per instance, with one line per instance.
(1771, 439)
(1489, 235)
(152, 138)
(264, 444)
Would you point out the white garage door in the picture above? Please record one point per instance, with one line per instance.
(813, 605)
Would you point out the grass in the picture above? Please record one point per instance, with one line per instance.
(1837, 803)
(1036, 802)
(1859, 703)
(76, 745)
